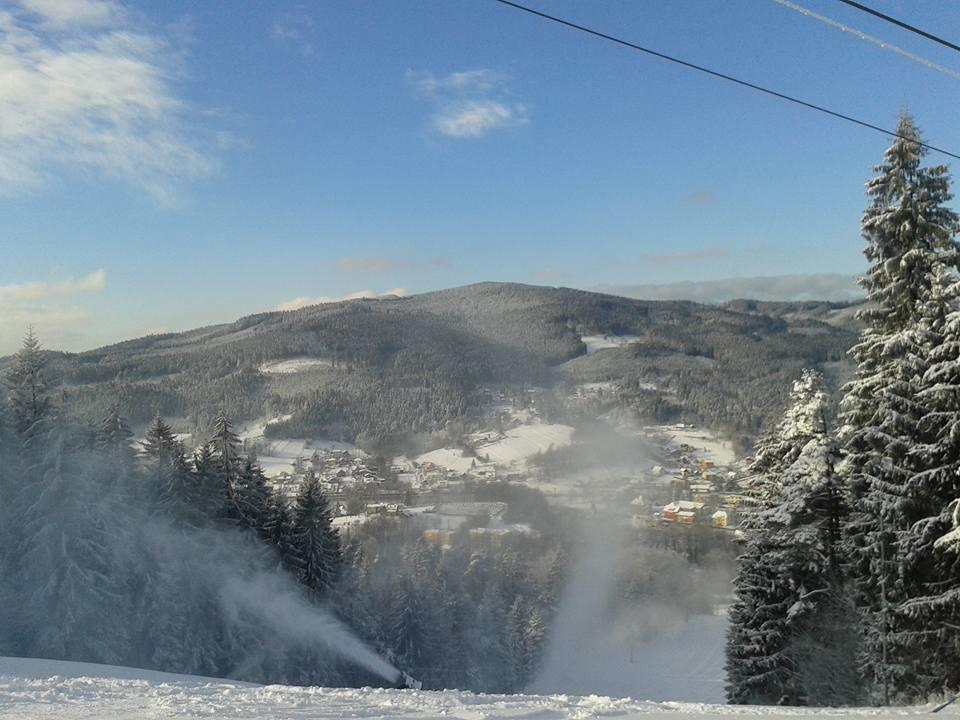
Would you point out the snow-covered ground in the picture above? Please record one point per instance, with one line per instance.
(525, 441)
(517, 445)
(48, 690)
(604, 342)
(450, 458)
(707, 444)
(293, 365)
(277, 456)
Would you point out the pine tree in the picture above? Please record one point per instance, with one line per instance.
(925, 622)
(29, 397)
(251, 497)
(173, 484)
(803, 421)
(224, 468)
(534, 636)
(791, 563)
(113, 435)
(911, 248)
(72, 590)
(159, 441)
(316, 542)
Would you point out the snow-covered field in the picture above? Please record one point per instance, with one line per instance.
(48, 690)
(278, 455)
(450, 458)
(518, 444)
(293, 365)
(526, 441)
(604, 342)
(708, 445)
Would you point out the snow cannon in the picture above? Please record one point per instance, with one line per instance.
(408, 682)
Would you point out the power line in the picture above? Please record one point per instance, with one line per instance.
(869, 38)
(715, 73)
(905, 26)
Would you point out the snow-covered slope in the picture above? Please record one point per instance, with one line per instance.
(45, 689)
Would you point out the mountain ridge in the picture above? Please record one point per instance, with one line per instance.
(387, 367)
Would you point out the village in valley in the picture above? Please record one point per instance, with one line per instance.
(678, 480)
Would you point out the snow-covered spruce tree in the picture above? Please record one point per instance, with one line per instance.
(802, 421)
(73, 597)
(790, 565)
(172, 483)
(225, 467)
(926, 623)
(29, 397)
(911, 248)
(113, 435)
(317, 556)
(251, 498)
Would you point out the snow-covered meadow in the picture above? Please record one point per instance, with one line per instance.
(517, 445)
(606, 342)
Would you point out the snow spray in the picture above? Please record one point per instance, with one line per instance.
(293, 619)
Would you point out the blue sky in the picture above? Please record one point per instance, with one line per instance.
(170, 164)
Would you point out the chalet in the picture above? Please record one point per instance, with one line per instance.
(719, 519)
(672, 511)
(700, 490)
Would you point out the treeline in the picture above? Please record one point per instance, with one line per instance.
(845, 593)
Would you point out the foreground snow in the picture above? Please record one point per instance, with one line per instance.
(40, 689)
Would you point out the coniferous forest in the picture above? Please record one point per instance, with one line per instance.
(192, 564)
(848, 586)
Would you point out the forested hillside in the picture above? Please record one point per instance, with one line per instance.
(381, 370)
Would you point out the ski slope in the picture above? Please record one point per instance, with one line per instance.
(45, 689)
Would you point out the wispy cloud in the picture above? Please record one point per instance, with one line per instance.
(469, 103)
(472, 81)
(295, 29)
(305, 301)
(477, 118)
(47, 306)
(45, 290)
(692, 256)
(63, 13)
(85, 91)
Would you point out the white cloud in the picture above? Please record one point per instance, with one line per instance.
(475, 81)
(83, 91)
(305, 301)
(44, 306)
(476, 118)
(94, 13)
(470, 103)
(44, 290)
(296, 29)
